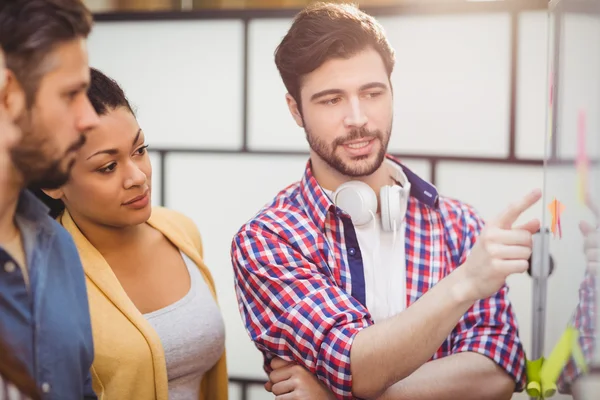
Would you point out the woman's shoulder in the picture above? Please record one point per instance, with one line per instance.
(176, 222)
(163, 214)
(167, 214)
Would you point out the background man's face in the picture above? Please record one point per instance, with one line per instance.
(53, 127)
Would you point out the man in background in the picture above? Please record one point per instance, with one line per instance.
(44, 314)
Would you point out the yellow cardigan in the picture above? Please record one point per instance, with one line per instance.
(129, 360)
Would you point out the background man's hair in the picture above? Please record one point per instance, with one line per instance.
(323, 31)
(31, 29)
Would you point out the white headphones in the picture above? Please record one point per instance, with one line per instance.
(360, 202)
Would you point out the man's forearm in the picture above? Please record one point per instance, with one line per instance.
(465, 376)
(390, 351)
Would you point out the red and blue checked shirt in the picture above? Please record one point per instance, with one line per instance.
(301, 290)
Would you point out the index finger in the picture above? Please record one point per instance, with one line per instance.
(509, 216)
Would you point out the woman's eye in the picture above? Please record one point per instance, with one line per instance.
(108, 168)
(142, 150)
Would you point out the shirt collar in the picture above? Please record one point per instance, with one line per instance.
(420, 189)
(317, 204)
(32, 209)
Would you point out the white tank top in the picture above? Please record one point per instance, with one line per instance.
(192, 334)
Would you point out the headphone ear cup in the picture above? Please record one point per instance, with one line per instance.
(391, 210)
(358, 200)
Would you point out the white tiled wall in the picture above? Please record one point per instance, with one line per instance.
(451, 84)
(532, 84)
(580, 91)
(156, 172)
(452, 97)
(270, 125)
(184, 78)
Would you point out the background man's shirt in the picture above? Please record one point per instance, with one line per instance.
(48, 326)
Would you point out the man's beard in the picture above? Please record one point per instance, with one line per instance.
(328, 153)
(33, 158)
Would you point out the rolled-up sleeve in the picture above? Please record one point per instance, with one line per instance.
(489, 327)
(293, 309)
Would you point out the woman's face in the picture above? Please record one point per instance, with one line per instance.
(110, 182)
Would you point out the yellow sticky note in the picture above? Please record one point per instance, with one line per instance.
(567, 346)
(534, 387)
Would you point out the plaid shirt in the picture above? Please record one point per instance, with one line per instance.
(300, 282)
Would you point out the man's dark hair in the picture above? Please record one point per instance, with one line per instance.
(105, 94)
(323, 31)
(31, 29)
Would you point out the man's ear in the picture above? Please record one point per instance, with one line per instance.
(56, 194)
(12, 97)
(294, 110)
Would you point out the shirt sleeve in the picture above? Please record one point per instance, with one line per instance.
(294, 310)
(489, 327)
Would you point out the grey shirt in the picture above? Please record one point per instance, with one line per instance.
(192, 333)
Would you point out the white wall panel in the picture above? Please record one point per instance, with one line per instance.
(270, 124)
(580, 82)
(185, 84)
(419, 167)
(259, 393)
(156, 174)
(451, 83)
(489, 187)
(223, 194)
(532, 85)
(234, 391)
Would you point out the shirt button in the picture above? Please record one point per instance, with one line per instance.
(352, 251)
(10, 267)
(46, 387)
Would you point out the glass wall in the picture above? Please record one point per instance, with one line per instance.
(568, 334)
